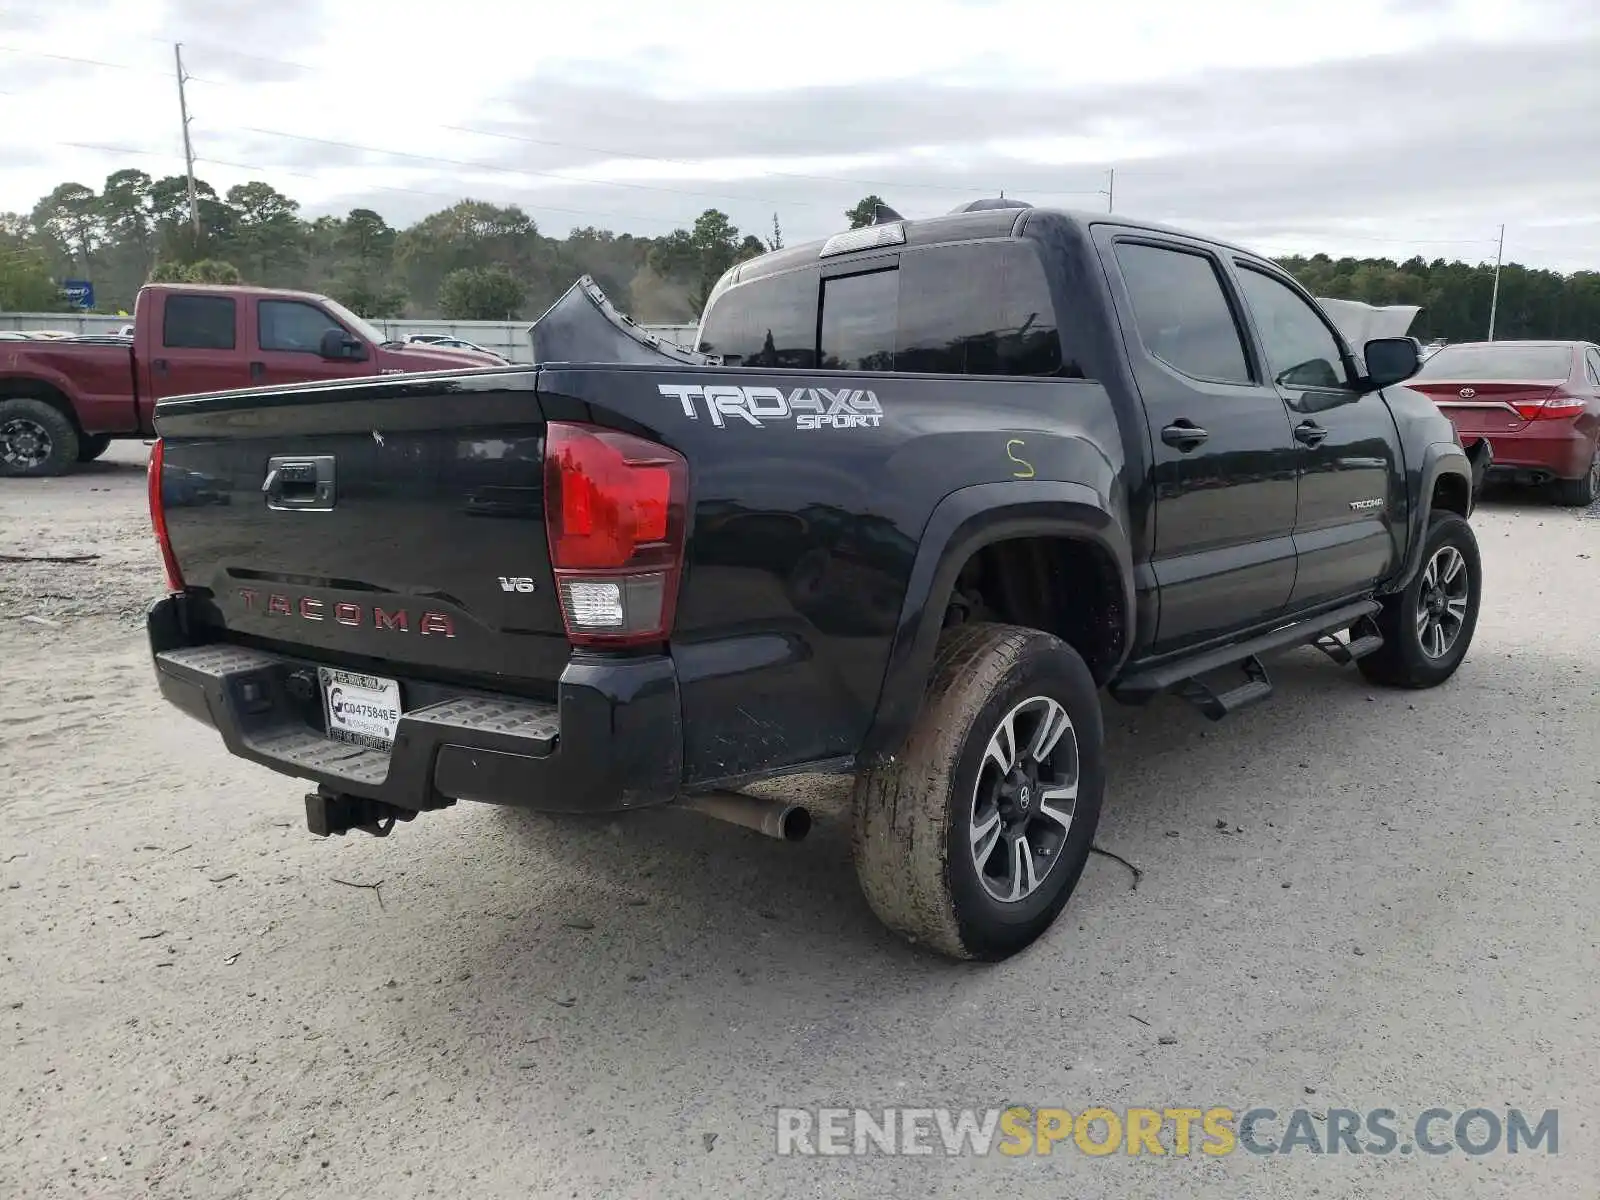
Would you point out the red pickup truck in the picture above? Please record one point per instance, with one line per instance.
(63, 402)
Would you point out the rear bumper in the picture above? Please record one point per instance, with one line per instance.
(1562, 454)
(613, 739)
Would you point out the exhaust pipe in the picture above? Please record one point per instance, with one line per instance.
(781, 819)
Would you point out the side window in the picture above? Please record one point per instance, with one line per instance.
(198, 323)
(858, 321)
(1183, 314)
(1301, 350)
(1593, 360)
(292, 325)
(769, 322)
(978, 309)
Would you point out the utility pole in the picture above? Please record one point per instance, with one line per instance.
(1111, 189)
(188, 148)
(1494, 296)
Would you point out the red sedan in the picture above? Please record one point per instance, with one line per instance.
(1537, 404)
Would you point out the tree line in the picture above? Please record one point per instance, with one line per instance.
(481, 261)
(471, 261)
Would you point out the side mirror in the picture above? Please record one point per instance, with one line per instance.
(338, 344)
(1391, 360)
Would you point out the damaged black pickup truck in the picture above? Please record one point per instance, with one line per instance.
(922, 494)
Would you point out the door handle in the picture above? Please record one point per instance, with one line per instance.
(1183, 434)
(1309, 433)
(257, 370)
(158, 364)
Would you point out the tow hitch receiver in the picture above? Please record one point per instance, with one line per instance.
(337, 813)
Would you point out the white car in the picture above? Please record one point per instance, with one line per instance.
(455, 343)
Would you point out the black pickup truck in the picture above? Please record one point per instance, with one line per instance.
(921, 494)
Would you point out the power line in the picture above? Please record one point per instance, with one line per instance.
(501, 170)
(97, 62)
(611, 152)
(454, 197)
(853, 181)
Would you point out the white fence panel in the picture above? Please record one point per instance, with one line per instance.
(506, 338)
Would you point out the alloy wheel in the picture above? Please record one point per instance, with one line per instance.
(1023, 799)
(1442, 602)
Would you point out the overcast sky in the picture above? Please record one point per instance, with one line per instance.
(1373, 127)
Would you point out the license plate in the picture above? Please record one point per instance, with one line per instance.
(362, 709)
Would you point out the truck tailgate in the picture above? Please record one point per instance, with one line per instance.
(387, 522)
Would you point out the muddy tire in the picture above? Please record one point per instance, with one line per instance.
(93, 446)
(972, 840)
(35, 439)
(1428, 627)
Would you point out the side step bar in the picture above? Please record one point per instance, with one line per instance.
(1183, 675)
(1363, 641)
(1216, 705)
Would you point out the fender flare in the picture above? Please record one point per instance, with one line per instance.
(1439, 459)
(54, 380)
(962, 523)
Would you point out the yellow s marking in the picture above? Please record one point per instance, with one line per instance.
(1021, 462)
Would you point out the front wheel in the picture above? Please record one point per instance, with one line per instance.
(1428, 626)
(973, 838)
(93, 446)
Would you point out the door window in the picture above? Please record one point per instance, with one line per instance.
(1301, 350)
(198, 323)
(292, 326)
(1593, 360)
(1183, 314)
(980, 308)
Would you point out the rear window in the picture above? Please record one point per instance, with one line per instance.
(981, 308)
(1490, 364)
(198, 323)
(769, 323)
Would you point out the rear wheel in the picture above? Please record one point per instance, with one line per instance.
(1428, 626)
(1584, 491)
(35, 439)
(973, 839)
(93, 446)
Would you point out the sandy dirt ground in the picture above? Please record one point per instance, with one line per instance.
(1350, 898)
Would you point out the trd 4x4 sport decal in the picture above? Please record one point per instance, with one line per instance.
(807, 407)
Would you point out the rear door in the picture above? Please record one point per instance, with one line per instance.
(1223, 453)
(1349, 524)
(196, 343)
(287, 337)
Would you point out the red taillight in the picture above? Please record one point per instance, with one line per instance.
(1555, 407)
(158, 516)
(615, 507)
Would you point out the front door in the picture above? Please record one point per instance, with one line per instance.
(288, 336)
(1349, 529)
(1223, 453)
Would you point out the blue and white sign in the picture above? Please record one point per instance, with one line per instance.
(79, 292)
